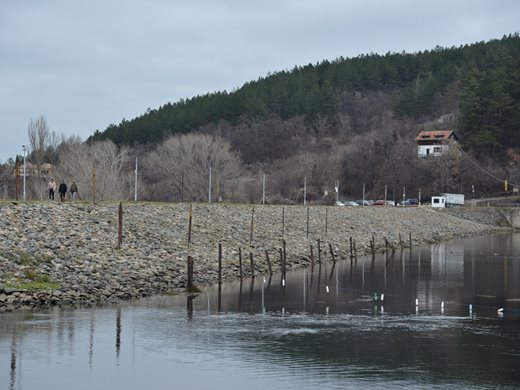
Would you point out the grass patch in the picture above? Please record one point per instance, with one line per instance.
(32, 281)
(33, 285)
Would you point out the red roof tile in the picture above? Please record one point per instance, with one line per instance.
(435, 135)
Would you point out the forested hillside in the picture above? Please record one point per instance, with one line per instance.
(481, 82)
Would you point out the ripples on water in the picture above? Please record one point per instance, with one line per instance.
(270, 337)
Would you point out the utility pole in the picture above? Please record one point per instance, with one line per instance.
(182, 186)
(135, 193)
(24, 176)
(209, 186)
(263, 189)
(363, 194)
(386, 191)
(305, 190)
(337, 191)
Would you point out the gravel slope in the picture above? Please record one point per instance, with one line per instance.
(74, 244)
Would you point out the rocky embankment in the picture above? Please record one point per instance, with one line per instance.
(66, 253)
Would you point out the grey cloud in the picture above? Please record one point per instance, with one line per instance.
(87, 64)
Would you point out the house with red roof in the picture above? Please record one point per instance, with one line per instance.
(434, 143)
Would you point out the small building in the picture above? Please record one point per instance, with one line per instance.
(45, 170)
(434, 143)
(438, 201)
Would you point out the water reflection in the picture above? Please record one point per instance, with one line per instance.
(12, 372)
(118, 333)
(350, 324)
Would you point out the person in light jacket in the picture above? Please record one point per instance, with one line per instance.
(51, 187)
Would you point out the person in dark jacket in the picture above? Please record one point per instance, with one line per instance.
(73, 191)
(62, 190)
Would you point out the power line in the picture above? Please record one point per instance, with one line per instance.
(482, 169)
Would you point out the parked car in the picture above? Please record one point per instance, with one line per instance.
(409, 202)
(351, 203)
(338, 203)
(390, 203)
(363, 202)
(379, 202)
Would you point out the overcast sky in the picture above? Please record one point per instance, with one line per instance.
(86, 64)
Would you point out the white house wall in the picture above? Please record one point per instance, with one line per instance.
(428, 150)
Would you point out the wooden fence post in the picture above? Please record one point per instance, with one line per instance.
(190, 215)
(189, 285)
(252, 226)
(219, 263)
(283, 222)
(307, 221)
(120, 227)
(284, 259)
(282, 266)
(240, 262)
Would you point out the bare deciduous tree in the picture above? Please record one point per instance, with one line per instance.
(184, 163)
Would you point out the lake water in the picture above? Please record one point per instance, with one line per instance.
(323, 329)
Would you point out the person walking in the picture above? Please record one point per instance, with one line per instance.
(63, 190)
(73, 191)
(51, 186)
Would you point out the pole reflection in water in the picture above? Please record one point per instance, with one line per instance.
(12, 372)
(189, 305)
(263, 301)
(332, 271)
(319, 275)
(251, 300)
(118, 333)
(91, 344)
(219, 298)
(240, 296)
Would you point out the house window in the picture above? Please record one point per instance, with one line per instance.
(436, 200)
(437, 149)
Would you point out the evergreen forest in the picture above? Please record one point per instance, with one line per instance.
(478, 83)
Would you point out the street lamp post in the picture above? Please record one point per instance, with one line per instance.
(23, 148)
